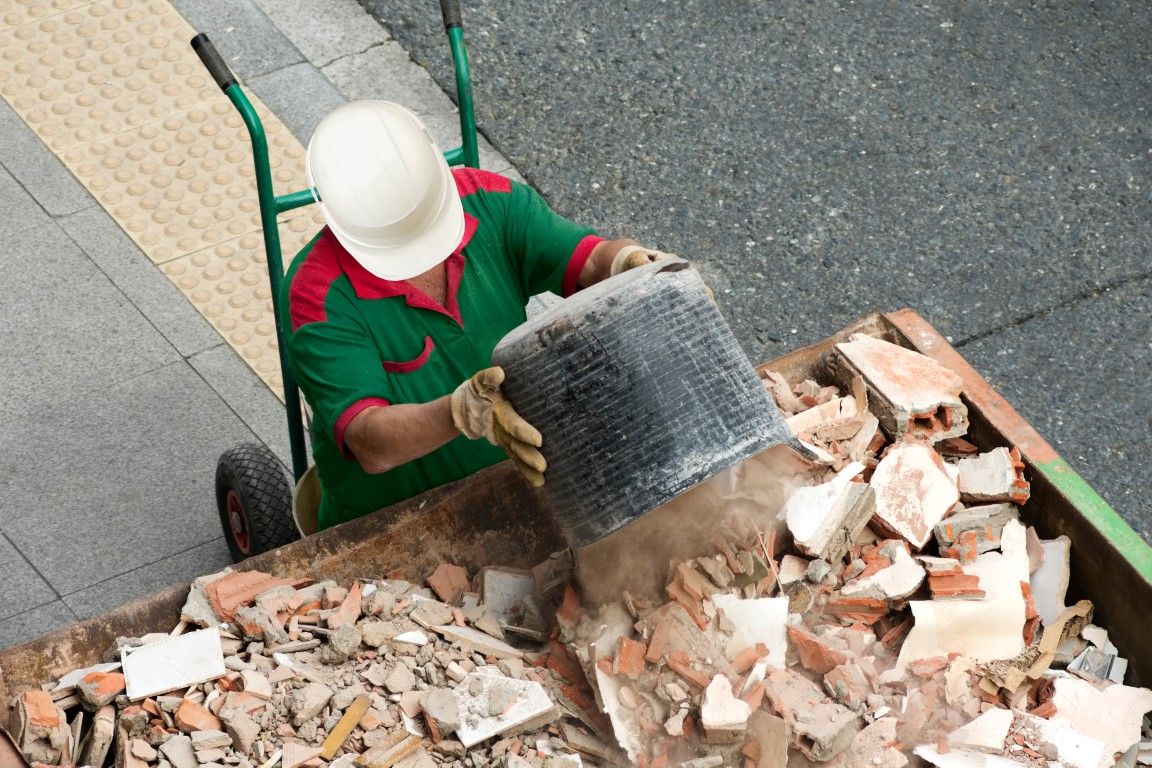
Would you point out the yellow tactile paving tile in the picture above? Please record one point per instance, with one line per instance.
(13, 13)
(186, 182)
(100, 69)
(228, 283)
(113, 88)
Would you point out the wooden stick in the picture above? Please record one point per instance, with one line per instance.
(343, 729)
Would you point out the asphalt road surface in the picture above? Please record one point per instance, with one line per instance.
(986, 163)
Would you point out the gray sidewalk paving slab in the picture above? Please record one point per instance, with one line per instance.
(1068, 378)
(108, 482)
(325, 30)
(21, 212)
(180, 568)
(34, 623)
(388, 72)
(300, 95)
(36, 168)
(161, 302)
(21, 586)
(238, 386)
(247, 39)
(69, 330)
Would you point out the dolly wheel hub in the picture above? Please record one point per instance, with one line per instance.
(239, 522)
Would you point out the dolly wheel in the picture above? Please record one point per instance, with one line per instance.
(254, 500)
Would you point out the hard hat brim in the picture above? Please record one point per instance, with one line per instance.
(406, 260)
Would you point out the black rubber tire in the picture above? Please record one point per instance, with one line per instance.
(250, 484)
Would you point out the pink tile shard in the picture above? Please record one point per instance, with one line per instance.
(910, 393)
(914, 491)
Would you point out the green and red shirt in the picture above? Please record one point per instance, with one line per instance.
(356, 341)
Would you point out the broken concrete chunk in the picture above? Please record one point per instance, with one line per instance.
(962, 758)
(822, 728)
(176, 662)
(197, 609)
(178, 751)
(792, 570)
(99, 688)
(441, 705)
(994, 476)
(724, 717)
(307, 702)
(99, 738)
(400, 679)
(874, 747)
(209, 740)
(910, 393)
(825, 519)
(1064, 745)
(895, 583)
(987, 521)
(530, 703)
(913, 492)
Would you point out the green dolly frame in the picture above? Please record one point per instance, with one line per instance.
(252, 495)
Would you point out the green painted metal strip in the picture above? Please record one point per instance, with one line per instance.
(1098, 512)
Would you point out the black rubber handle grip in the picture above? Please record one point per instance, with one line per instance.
(213, 61)
(451, 11)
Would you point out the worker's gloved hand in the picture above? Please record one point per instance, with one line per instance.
(480, 410)
(632, 256)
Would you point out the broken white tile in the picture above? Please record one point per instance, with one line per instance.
(963, 758)
(75, 676)
(176, 662)
(1112, 715)
(983, 630)
(475, 640)
(755, 620)
(415, 637)
(896, 582)
(991, 476)
(984, 734)
(825, 519)
(913, 492)
(1070, 748)
(628, 735)
(529, 701)
(724, 717)
(1098, 636)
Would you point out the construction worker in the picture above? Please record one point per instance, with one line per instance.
(394, 308)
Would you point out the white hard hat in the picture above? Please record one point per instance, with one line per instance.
(385, 190)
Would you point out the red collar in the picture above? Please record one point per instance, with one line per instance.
(368, 286)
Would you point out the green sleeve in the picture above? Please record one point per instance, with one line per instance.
(540, 242)
(339, 370)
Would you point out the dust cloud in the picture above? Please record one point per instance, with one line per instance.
(734, 505)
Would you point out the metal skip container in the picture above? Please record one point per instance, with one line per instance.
(641, 392)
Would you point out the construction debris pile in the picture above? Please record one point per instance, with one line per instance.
(895, 611)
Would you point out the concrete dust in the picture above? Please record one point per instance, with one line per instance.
(732, 505)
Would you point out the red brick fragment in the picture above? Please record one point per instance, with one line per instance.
(815, 654)
(228, 593)
(630, 658)
(679, 663)
(350, 608)
(747, 658)
(966, 547)
(190, 716)
(41, 710)
(449, 582)
(99, 688)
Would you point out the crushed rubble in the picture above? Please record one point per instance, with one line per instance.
(892, 609)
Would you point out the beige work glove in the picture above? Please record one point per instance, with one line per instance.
(633, 256)
(480, 410)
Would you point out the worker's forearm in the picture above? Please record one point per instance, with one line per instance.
(383, 438)
(600, 261)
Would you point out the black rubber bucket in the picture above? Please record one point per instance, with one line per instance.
(641, 392)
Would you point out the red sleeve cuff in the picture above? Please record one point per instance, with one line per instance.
(575, 264)
(345, 419)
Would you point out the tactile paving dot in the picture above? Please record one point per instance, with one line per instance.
(13, 13)
(101, 69)
(187, 182)
(228, 283)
